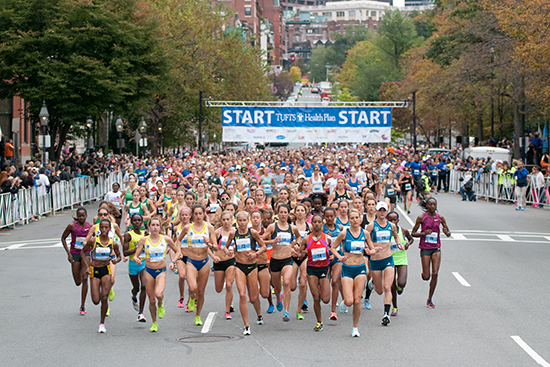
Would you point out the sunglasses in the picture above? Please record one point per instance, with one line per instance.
(224, 198)
(103, 214)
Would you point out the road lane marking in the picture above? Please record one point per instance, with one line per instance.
(530, 351)
(208, 323)
(505, 238)
(460, 279)
(405, 215)
(458, 236)
(547, 237)
(272, 356)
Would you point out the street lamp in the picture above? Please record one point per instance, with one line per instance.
(142, 126)
(89, 124)
(119, 127)
(413, 100)
(161, 139)
(44, 117)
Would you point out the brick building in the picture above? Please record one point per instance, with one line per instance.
(16, 125)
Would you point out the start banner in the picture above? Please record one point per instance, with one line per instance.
(307, 125)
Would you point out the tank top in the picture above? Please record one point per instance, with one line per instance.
(286, 236)
(394, 246)
(317, 251)
(129, 195)
(338, 197)
(196, 238)
(184, 240)
(221, 240)
(155, 252)
(381, 234)
(388, 189)
(213, 206)
(333, 233)
(244, 242)
(266, 184)
(316, 185)
(304, 234)
(353, 185)
(431, 241)
(78, 235)
(102, 252)
(344, 225)
(135, 209)
(112, 234)
(406, 184)
(134, 241)
(354, 245)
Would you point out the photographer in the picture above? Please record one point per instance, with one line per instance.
(467, 187)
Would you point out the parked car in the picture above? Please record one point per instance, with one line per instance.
(314, 89)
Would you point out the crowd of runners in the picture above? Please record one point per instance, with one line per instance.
(272, 222)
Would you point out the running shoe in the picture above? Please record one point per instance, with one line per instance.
(111, 295)
(231, 308)
(198, 321)
(299, 316)
(305, 307)
(228, 316)
(518, 207)
(333, 316)
(270, 309)
(280, 305)
(430, 304)
(400, 290)
(394, 311)
(135, 304)
(286, 317)
(385, 319)
(367, 305)
(523, 208)
(181, 303)
(82, 311)
(187, 307)
(355, 332)
(246, 330)
(176, 271)
(343, 308)
(141, 318)
(102, 329)
(318, 327)
(161, 311)
(260, 320)
(370, 284)
(154, 328)
(408, 212)
(191, 304)
(108, 311)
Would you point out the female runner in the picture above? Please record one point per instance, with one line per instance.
(399, 260)
(354, 271)
(201, 237)
(281, 260)
(155, 246)
(102, 247)
(316, 245)
(135, 272)
(391, 187)
(382, 268)
(370, 216)
(301, 265)
(406, 183)
(249, 246)
(78, 230)
(136, 207)
(144, 198)
(430, 242)
(340, 192)
(262, 261)
(126, 196)
(332, 231)
(224, 264)
(181, 264)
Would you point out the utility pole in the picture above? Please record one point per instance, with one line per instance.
(200, 121)
(414, 121)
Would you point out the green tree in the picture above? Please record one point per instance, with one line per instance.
(396, 35)
(81, 57)
(295, 74)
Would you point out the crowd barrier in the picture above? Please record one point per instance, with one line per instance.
(34, 202)
(500, 187)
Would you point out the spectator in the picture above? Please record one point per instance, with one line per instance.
(545, 162)
(467, 187)
(521, 185)
(8, 151)
(42, 182)
(65, 174)
(537, 185)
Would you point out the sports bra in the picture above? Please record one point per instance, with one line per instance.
(245, 242)
(338, 197)
(354, 245)
(134, 241)
(286, 235)
(196, 238)
(102, 252)
(381, 234)
(155, 252)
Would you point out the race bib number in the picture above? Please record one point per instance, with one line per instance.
(432, 238)
(318, 254)
(416, 172)
(160, 209)
(214, 207)
(156, 255)
(383, 236)
(134, 211)
(243, 244)
(267, 188)
(223, 241)
(198, 241)
(103, 253)
(185, 242)
(357, 247)
(303, 234)
(394, 248)
(79, 243)
(391, 192)
(408, 187)
(285, 238)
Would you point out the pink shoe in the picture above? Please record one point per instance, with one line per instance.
(228, 316)
(82, 311)
(187, 308)
(181, 304)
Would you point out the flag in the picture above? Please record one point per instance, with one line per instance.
(545, 139)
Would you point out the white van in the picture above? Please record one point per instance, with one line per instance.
(498, 154)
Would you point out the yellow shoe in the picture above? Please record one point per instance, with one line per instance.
(161, 311)
(192, 304)
(108, 311)
(111, 294)
(198, 321)
(154, 328)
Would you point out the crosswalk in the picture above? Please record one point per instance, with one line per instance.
(462, 235)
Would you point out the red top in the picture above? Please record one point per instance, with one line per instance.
(317, 251)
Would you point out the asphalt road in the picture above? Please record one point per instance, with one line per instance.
(500, 253)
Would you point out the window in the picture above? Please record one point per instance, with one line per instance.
(373, 14)
(297, 38)
(309, 31)
(276, 3)
(247, 10)
(339, 13)
(327, 14)
(352, 13)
